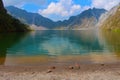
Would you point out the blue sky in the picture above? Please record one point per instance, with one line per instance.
(60, 9)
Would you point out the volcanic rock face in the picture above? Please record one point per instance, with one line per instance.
(110, 20)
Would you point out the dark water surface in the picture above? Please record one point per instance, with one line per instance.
(36, 48)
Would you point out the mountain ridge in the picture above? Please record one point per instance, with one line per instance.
(90, 14)
(30, 18)
(74, 22)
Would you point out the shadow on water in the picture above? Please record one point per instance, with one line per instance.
(8, 40)
(112, 39)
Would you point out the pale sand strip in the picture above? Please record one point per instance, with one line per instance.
(86, 72)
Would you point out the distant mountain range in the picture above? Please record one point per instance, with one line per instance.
(30, 18)
(86, 19)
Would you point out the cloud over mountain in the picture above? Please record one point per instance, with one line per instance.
(62, 8)
(106, 4)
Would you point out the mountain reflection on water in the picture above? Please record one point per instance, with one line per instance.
(39, 46)
(57, 43)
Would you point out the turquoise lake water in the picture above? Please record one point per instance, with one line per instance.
(85, 46)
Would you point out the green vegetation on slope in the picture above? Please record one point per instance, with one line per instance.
(8, 23)
(113, 22)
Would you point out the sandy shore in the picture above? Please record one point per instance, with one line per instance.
(61, 72)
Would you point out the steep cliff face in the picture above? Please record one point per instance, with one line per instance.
(111, 20)
(8, 23)
(2, 7)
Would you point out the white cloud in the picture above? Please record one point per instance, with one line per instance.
(67, 8)
(106, 4)
(62, 8)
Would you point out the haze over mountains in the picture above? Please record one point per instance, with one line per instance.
(87, 19)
